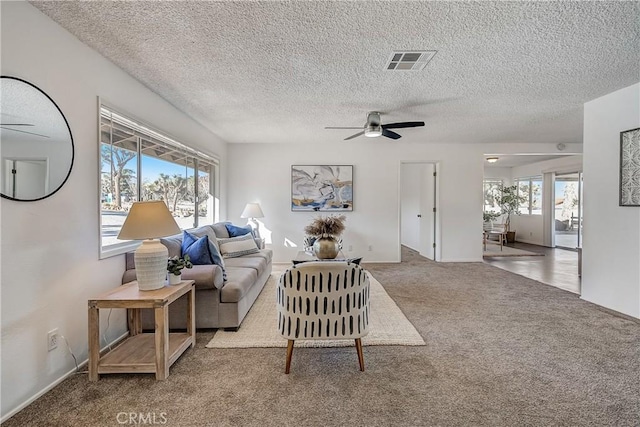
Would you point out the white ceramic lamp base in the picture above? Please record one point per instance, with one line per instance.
(151, 265)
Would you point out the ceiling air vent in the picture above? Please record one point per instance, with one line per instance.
(414, 60)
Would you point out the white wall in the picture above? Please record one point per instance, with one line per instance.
(50, 265)
(611, 245)
(562, 164)
(375, 220)
(498, 173)
(262, 172)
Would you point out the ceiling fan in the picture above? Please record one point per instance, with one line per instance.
(4, 126)
(374, 127)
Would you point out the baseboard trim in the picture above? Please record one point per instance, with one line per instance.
(612, 311)
(59, 380)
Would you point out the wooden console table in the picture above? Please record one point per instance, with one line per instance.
(141, 353)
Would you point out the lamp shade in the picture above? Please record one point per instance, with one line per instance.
(252, 210)
(148, 220)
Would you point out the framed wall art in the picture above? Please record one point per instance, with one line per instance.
(321, 188)
(630, 167)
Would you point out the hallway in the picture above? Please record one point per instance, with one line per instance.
(559, 267)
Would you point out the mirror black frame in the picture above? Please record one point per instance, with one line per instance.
(73, 148)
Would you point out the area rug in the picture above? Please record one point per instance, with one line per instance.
(387, 324)
(493, 250)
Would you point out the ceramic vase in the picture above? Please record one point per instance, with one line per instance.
(326, 247)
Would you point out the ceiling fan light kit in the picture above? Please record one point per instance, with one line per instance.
(374, 127)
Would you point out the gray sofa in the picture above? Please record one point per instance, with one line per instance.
(219, 304)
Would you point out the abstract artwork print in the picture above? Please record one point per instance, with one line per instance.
(630, 167)
(321, 188)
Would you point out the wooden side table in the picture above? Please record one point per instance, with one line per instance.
(141, 353)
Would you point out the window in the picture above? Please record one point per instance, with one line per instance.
(137, 163)
(491, 190)
(531, 190)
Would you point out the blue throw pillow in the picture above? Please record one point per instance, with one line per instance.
(217, 259)
(235, 231)
(196, 248)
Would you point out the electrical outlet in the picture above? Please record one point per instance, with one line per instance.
(52, 339)
(370, 248)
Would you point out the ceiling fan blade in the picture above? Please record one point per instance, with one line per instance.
(338, 127)
(354, 136)
(23, 131)
(390, 134)
(402, 125)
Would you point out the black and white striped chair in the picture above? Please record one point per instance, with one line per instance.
(321, 300)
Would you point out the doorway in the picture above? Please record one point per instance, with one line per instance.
(418, 213)
(568, 210)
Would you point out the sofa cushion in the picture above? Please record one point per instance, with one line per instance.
(220, 229)
(214, 249)
(173, 244)
(257, 263)
(238, 246)
(205, 276)
(235, 231)
(217, 259)
(205, 230)
(267, 254)
(239, 282)
(196, 248)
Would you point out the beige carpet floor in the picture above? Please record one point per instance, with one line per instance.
(388, 326)
(502, 350)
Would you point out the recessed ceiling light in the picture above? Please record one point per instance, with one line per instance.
(492, 159)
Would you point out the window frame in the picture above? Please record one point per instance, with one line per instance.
(191, 155)
(486, 181)
(530, 193)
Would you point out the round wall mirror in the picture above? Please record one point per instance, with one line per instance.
(36, 146)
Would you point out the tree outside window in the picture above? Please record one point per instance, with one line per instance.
(530, 189)
(140, 164)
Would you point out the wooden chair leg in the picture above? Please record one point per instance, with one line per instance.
(289, 354)
(360, 355)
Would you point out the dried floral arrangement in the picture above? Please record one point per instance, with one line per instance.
(331, 225)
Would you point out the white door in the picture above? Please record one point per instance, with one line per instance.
(417, 202)
(427, 213)
(25, 179)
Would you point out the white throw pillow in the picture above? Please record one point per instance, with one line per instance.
(238, 246)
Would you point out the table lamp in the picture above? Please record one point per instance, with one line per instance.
(147, 221)
(253, 211)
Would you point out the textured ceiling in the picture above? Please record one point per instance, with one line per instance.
(282, 71)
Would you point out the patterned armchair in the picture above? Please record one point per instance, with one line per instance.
(321, 300)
